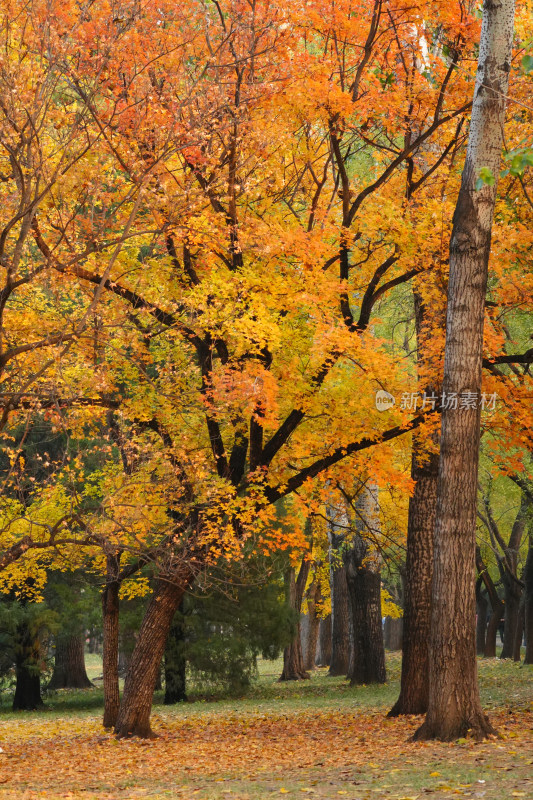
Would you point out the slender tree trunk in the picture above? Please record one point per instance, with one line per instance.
(454, 707)
(69, 666)
(414, 689)
(495, 604)
(175, 662)
(323, 656)
(304, 634)
(528, 598)
(519, 633)
(136, 704)
(482, 605)
(293, 662)
(313, 626)
(340, 608)
(110, 614)
(512, 594)
(492, 632)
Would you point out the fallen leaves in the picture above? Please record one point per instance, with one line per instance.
(316, 753)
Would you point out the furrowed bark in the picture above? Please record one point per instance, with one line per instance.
(454, 707)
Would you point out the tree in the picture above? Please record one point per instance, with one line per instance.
(253, 183)
(454, 706)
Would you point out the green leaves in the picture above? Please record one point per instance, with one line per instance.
(518, 160)
(486, 178)
(527, 64)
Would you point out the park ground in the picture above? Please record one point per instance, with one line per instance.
(319, 739)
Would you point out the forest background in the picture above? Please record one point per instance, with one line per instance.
(225, 229)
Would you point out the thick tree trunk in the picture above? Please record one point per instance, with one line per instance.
(364, 587)
(110, 614)
(363, 577)
(323, 654)
(454, 707)
(414, 689)
(528, 599)
(175, 662)
(28, 679)
(27, 689)
(134, 712)
(69, 666)
(293, 662)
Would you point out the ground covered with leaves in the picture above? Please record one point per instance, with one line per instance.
(319, 738)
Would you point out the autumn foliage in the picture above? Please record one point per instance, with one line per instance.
(214, 216)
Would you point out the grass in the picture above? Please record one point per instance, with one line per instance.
(319, 738)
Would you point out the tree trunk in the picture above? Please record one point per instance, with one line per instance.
(414, 686)
(175, 662)
(512, 594)
(340, 609)
(28, 678)
(482, 605)
(363, 577)
(134, 712)
(495, 604)
(454, 707)
(310, 638)
(69, 666)
(528, 598)
(364, 587)
(519, 633)
(304, 634)
(293, 663)
(393, 634)
(323, 655)
(110, 614)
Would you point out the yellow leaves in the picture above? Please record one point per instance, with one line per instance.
(388, 606)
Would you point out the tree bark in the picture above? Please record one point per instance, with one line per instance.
(528, 598)
(310, 638)
(363, 577)
(323, 655)
(134, 712)
(175, 662)
(512, 595)
(519, 633)
(293, 663)
(482, 606)
(28, 679)
(27, 689)
(414, 688)
(454, 707)
(508, 566)
(340, 609)
(393, 633)
(495, 604)
(110, 614)
(69, 665)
